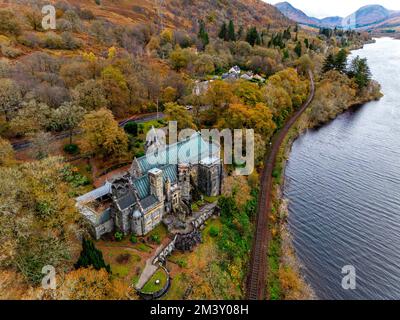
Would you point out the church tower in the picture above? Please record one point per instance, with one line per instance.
(184, 180)
(156, 183)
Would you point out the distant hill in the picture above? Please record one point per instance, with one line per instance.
(295, 14)
(371, 17)
(186, 13)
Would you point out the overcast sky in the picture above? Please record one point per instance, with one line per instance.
(343, 8)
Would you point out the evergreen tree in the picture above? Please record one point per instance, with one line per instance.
(91, 256)
(298, 49)
(286, 34)
(240, 33)
(231, 31)
(306, 43)
(359, 70)
(253, 36)
(203, 34)
(329, 63)
(223, 32)
(285, 54)
(341, 61)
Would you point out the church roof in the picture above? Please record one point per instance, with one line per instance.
(190, 150)
(95, 194)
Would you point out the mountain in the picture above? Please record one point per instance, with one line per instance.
(369, 17)
(371, 14)
(295, 14)
(331, 21)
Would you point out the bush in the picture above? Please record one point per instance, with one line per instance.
(10, 52)
(71, 149)
(9, 23)
(155, 238)
(118, 236)
(131, 128)
(134, 239)
(31, 40)
(214, 231)
(72, 176)
(53, 41)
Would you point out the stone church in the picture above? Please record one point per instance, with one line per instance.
(136, 202)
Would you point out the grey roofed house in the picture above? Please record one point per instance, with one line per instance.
(136, 201)
(246, 77)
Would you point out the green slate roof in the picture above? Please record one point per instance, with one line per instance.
(191, 150)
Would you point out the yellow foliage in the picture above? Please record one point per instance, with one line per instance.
(91, 284)
(7, 156)
(102, 135)
(91, 57)
(112, 52)
(175, 112)
(238, 186)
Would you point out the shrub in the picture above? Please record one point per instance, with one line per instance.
(155, 238)
(134, 239)
(181, 263)
(71, 148)
(10, 52)
(72, 176)
(31, 40)
(9, 23)
(139, 154)
(53, 41)
(131, 128)
(214, 231)
(119, 236)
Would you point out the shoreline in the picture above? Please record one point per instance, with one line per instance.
(288, 257)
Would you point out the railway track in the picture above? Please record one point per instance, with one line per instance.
(256, 279)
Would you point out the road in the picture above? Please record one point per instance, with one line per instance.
(26, 144)
(257, 273)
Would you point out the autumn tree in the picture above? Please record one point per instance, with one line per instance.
(179, 59)
(175, 112)
(7, 156)
(10, 97)
(37, 218)
(204, 65)
(90, 95)
(248, 92)
(91, 284)
(31, 118)
(67, 117)
(259, 118)
(34, 19)
(102, 135)
(41, 145)
(115, 88)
